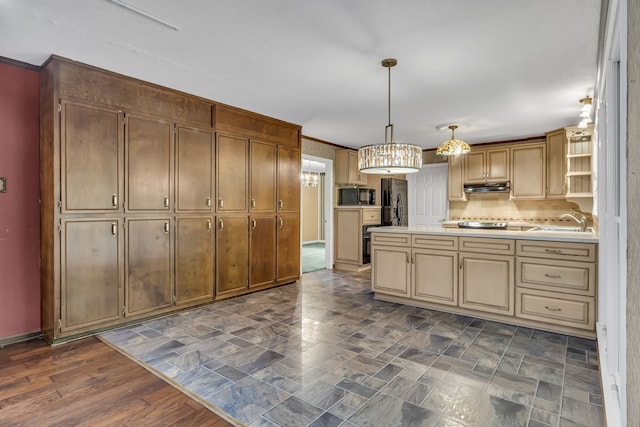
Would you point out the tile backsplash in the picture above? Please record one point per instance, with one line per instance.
(498, 207)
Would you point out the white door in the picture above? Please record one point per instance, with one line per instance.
(428, 203)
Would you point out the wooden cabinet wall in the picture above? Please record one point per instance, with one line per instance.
(142, 200)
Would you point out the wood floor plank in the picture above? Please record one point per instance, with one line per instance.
(87, 383)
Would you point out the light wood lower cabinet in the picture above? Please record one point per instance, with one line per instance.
(548, 285)
(391, 270)
(349, 242)
(486, 282)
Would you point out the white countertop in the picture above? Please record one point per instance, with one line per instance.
(576, 236)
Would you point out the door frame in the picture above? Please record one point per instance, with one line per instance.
(328, 209)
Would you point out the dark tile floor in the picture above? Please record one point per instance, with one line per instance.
(323, 352)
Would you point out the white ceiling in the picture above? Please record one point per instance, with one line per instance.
(506, 69)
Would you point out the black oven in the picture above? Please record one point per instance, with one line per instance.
(366, 243)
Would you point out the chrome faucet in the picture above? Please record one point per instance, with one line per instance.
(577, 217)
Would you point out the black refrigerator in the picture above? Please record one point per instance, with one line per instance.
(394, 202)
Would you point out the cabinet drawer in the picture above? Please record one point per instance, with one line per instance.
(487, 245)
(558, 276)
(557, 250)
(559, 309)
(371, 216)
(447, 243)
(390, 239)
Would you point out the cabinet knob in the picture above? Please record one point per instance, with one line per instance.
(551, 308)
(220, 202)
(208, 225)
(221, 225)
(166, 202)
(253, 203)
(114, 200)
(553, 276)
(114, 229)
(281, 223)
(166, 226)
(254, 223)
(280, 204)
(208, 202)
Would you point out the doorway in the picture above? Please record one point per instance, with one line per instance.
(316, 214)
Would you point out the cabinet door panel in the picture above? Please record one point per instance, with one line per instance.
(149, 267)
(263, 176)
(263, 251)
(194, 259)
(487, 283)
(391, 270)
(231, 173)
(149, 161)
(435, 276)
(92, 139)
(91, 279)
(474, 167)
(194, 169)
(348, 236)
(232, 250)
(456, 178)
(528, 175)
(556, 164)
(288, 179)
(497, 167)
(289, 246)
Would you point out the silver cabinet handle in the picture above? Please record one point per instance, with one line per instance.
(166, 202)
(280, 204)
(281, 223)
(166, 226)
(253, 203)
(114, 200)
(208, 202)
(114, 229)
(208, 225)
(550, 308)
(221, 224)
(254, 223)
(553, 276)
(553, 251)
(220, 203)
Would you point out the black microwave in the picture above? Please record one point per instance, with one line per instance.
(356, 196)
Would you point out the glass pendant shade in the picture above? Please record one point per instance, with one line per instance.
(389, 158)
(453, 146)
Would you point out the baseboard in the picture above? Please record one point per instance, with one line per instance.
(19, 338)
(610, 395)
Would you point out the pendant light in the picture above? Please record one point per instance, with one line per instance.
(453, 146)
(389, 157)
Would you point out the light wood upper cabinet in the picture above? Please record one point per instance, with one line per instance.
(347, 171)
(263, 176)
(556, 164)
(528, 172)
(486, 165)
(149, 163)
(194, 176)
(232, 153)
(288, 179)
(91, 291)
(194, 259)
(456, 178)
(92, 140)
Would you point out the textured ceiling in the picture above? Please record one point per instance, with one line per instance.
(505, 69)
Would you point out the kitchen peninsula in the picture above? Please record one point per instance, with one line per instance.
(536, 278)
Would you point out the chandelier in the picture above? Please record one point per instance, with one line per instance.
(453, 146)
(389, 157)
(309, 179)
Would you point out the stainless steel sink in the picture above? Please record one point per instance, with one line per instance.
(560, 229)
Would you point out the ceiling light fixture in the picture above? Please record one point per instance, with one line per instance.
(585, 112)
(389, 157)
(453, 146)
(309, 179)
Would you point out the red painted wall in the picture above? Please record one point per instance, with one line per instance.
(19, 206)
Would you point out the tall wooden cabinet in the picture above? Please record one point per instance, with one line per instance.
(138, 192)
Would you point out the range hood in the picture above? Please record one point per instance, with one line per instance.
(493, 187)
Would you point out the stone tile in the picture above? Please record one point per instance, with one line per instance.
(327, 420)
(543, 418)
(484, 409)
(582, 379)
(293, 412)
(357, 388)
(388, 372)
(230, 372)
(321, 394)
(207, 384)
(252, 359)
(540, 372)
(385, 410)
(466, 378)
(582, 412)
(549, 391)
(364, 364)
(530, 347)
(408, 390)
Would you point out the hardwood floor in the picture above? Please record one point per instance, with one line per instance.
(87, 383)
